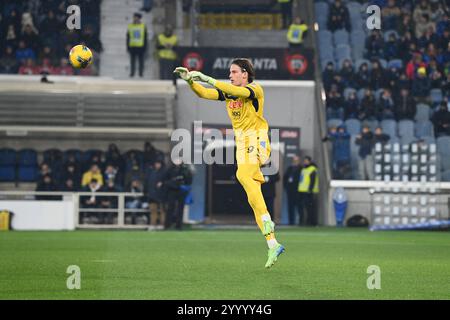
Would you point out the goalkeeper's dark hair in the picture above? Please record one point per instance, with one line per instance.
(246, 66)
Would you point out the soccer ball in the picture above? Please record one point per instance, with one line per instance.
(80, 57)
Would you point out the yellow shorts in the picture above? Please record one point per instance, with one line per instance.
(253, 148)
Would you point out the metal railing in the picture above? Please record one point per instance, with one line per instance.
(74, 197)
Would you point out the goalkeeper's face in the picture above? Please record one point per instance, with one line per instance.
(237, 76)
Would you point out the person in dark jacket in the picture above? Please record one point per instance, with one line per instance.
(308, 187)
(368, 110)
(380, 137)
(151, 154)
(154, 192)
(290, 183)
(421, 86)
(365, 140)
(338, 17)
(441, 120)
(46, 185)
(341, 151)
(177, 181)
(405, 106)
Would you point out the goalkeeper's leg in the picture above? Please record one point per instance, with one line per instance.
(251, 178)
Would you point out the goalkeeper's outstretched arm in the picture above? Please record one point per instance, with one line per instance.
(232, 90)
(202, 92)
(226, 88)
(205, 93)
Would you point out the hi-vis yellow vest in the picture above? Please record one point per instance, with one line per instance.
(5, 220)
(305, 179)
(283, 1)
(168, 54)
(295, 33)
(137, 35)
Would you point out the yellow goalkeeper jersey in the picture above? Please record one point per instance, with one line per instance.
(246, 114)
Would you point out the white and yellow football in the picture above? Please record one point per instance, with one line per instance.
(80, 57)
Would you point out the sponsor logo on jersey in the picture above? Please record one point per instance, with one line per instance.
(235, 104)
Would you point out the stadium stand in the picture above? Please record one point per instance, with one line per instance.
(34, 39)
(409, 57)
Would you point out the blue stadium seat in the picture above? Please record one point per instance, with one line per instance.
(353, 126)
(423, 112)
(7, 173)
(322, 22)
(341, 37)
(406, 128)
(27, 173)
(406, 140)
(360, 94)
(436, 96)
(357, 23)
(443, 145)
(75, 152)
(347, 92)
(342, 51)
(321, 9)
(325, 36)
(335, 114)
(27, 157)
(396, 63)
(373, 124)
(443, 148)
(389, 127)
(8, 157)
(354, 10)
(424, 129)
(429, 139)
(445, 176)
(358, 53)
(327, 55)
(326, 51)
(357, 38)
(334, 123)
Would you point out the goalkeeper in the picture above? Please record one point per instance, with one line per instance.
(245, 106)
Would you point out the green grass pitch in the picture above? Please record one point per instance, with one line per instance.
(319, 263)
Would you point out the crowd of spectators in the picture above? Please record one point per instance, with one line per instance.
(34, 37)
(75, 171)
(135, 171)
(404, 64)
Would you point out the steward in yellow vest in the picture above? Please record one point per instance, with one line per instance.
(296, 33)
(308, 186)
(166, 44)
(309, 180)
(137, 43)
